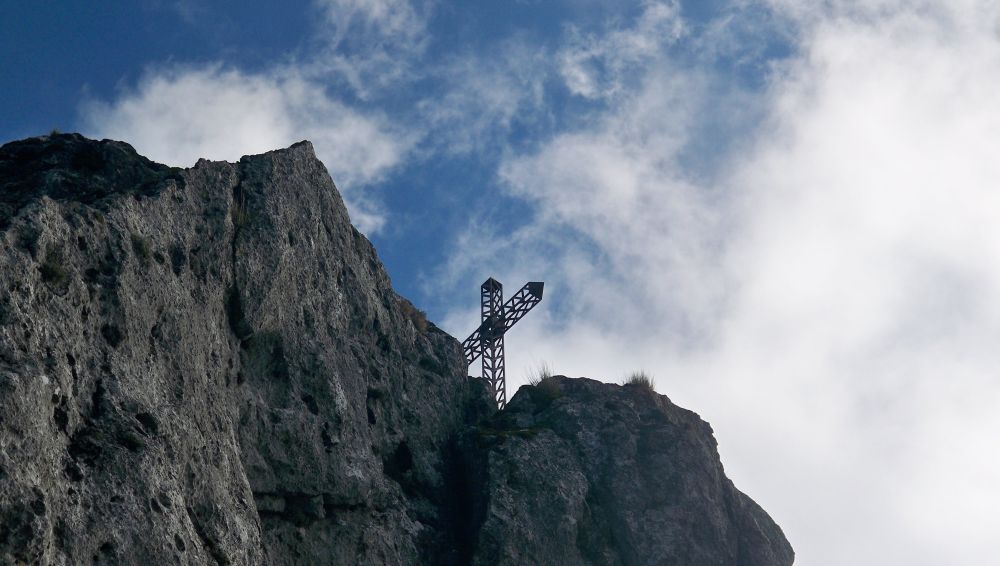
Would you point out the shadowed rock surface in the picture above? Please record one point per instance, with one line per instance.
(210, 366)
(582, 472)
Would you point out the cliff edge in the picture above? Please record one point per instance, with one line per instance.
(210, 366)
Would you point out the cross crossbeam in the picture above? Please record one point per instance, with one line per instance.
(497, 318)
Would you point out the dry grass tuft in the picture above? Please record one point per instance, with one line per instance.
(641, 379)
(53, 271)
(540, 374)
(141, 247)
(240, 213)
(546, 387)
(416, 316)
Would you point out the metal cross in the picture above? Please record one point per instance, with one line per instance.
(497, 318)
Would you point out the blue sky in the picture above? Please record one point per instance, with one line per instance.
(64, 57)
(786, 212)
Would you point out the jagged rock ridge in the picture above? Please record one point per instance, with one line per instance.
(210, 365)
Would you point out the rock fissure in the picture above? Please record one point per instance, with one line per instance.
(210, 544)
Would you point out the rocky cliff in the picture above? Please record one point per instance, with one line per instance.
(210, 366)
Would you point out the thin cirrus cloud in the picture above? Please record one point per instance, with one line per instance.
(829, 298)
(593, 64)
(370, 45)
(487, 96)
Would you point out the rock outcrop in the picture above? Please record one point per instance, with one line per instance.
(210, 366)
(576, 471)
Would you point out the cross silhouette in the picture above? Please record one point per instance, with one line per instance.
(497, 318)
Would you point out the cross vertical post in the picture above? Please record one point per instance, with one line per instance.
(493, 328)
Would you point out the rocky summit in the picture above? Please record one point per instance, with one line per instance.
(210, 366)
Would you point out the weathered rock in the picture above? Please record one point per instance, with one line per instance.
(211, 368)
(576, 471)
(210, 365)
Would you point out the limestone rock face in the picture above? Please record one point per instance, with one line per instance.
(210, 366)
(576, 471)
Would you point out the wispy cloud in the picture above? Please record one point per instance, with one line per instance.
(486, 95)
(371, 45)
(189, 11)
(596, 64)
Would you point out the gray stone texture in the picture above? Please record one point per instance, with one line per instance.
(576, 471)
(210, 366)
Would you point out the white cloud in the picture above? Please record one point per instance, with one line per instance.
(177, 115)
(830, 300)
(395, 20)
(596, 65)
(486, 95)
(868, 268)
(371, 45)
(190, 12)
(616, 189)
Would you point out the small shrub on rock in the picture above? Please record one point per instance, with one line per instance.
(141, 247)
(416, 316)
(240, 213)
(546, 388)
(640, 379)
(542, 373)
(53, 271)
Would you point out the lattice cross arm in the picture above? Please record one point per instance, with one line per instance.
(513, 310)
